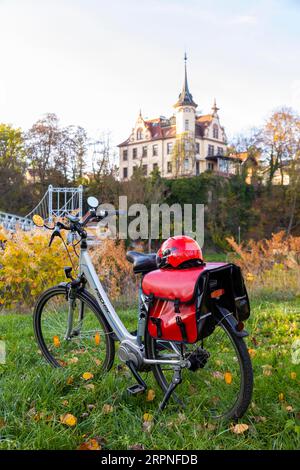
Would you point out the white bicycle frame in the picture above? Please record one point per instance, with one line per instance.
(86, 267)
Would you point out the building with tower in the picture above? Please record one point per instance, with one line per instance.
(185, 144)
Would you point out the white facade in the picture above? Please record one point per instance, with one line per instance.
(151, 142)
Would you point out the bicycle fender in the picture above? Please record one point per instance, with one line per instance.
(224, 316)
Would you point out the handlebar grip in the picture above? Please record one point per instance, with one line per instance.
(106, 213)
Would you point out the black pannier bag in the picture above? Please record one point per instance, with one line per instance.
(181, 301)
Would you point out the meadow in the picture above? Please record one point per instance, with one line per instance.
(34, 397)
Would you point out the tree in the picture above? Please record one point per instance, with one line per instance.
(103, 157)
(56, 154)
(12, 167)
(74, 146)
(42, 148)
(247, 147)
(183, 155)
(279, 140)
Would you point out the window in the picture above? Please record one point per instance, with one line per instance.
(125, 155)
(197, 168)
(139, 134)
(220, 151)
(211, 150)
(169, 148)
(223, 166)
(186, 125)
(144, 153)
(145, 170)
(155, 166)
(186, 164)
(210, 166)
(125, 172)
(169, 167)
(215, 131)
(134, 153)
(155, 150)
(197, 147)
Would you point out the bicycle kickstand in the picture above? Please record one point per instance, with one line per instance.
(176, 380)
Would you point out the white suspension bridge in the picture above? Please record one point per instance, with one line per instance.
(56, 202)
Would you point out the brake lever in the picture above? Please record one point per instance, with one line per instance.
(55, 233)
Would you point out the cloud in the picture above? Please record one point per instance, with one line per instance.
(244, 19)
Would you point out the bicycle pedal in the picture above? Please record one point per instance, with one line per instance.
(136, 389)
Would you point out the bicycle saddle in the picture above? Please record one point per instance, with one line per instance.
(142, 262)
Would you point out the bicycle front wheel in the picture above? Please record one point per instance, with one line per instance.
(85, 346)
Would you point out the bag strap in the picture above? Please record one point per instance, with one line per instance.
(176, 305)
(181, 325)
(157, 322)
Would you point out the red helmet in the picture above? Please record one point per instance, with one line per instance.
(178, 250)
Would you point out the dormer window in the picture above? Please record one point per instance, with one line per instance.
(215, 131)
(139, 134)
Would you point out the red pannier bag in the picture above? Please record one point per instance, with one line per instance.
(181, 299)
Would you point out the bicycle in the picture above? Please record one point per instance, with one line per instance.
(77, 327)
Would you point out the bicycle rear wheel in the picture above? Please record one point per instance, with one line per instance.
(221, 382)
(89, 347)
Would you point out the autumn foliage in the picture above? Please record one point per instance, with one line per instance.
(114, 271)
(270, 265)
(28, 267)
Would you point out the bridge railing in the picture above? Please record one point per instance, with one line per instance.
(56, 202)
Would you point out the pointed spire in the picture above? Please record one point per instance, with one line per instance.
(185, 97)
(215, 108)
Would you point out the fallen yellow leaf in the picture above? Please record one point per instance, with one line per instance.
(97, 339)
(150, 395)
(147, 417)
(228, 378)
(281, 397)
(91, 444)
(70, 380)
(56, 341)
(107, 408)
(267, 370)
(68, 419)
(87, 375)
(252, 352)
(62, 363)
(239, 428)
(293, 375)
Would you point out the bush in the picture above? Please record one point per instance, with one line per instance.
(271, 267)
(29, 266)
(114, 271)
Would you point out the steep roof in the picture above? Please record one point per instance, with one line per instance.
(185, 97)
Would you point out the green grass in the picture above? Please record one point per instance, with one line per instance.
(33, 396)
(212, 256)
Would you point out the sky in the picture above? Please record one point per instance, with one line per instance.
(96, 63)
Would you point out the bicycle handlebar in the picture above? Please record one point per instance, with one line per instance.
(78, 226)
